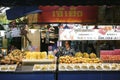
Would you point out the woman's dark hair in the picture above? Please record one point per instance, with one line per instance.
(69, 42)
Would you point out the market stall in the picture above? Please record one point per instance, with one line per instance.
(93, 58)
(34, 66)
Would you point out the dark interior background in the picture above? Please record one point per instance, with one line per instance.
(58, 2)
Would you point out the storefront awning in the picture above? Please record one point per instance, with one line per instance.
(19, 11)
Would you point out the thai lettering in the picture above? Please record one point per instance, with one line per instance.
(72, 12)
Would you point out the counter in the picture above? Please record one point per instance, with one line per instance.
(89, 75)
(26, 73)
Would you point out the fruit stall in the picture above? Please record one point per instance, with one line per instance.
(19, 65)
(87, 69)
(103, 64)
(89, 65)
(27, 65)
(34, 65)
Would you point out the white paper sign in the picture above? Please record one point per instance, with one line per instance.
(106, 32)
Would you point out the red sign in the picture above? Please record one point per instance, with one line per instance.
(110, 55)
(69, 14)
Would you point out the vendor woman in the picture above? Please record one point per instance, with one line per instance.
(67, 50)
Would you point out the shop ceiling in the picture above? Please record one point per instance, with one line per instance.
(58, 2)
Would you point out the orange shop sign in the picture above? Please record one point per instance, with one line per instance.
(70, 14)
